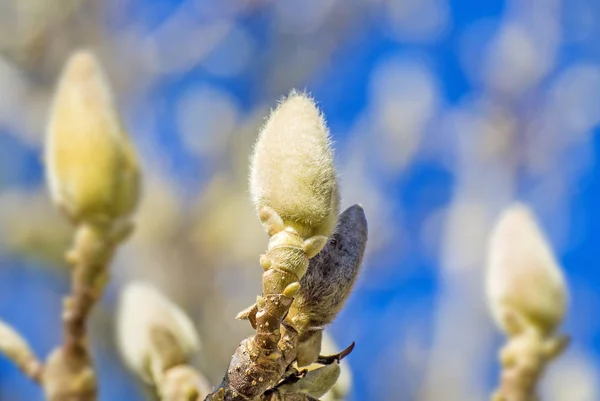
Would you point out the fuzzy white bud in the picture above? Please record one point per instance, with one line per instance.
(292, 169)
(143, 311)
(523, 276)
(92, 170)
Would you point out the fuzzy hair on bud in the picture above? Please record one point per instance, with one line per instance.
(143, 311)
(92, 170)
(523, 277)
(331, 274)
(292, 168)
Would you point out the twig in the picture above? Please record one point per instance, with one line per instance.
(324, 288)
(329, 359)
(261, 360)
(16, 349)
(69, 372)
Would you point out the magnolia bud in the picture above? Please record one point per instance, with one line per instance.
(92, 169)
(292, 168)
(524, 280)
(152, 332)
(331, 274)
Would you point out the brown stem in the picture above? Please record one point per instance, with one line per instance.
(261, 360)
(69, 374)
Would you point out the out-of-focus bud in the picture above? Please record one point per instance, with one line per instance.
(92, 170)
(153, 333)
(316, 382)
(524, 280)
(292, 168)
(184, 383)
(331, 274)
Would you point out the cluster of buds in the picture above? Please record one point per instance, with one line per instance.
(158, 341)
(93, 177)
(311, 263)
(309, 268)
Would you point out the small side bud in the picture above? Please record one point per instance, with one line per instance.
(292, 289)
(153, 333)
(523, 277)
(92, 170)
(265, 262)
(292, 168)
(331, 274)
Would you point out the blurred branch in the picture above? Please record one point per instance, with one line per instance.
(16, 349)
(93, 178)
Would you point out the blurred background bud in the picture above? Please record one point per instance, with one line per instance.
(146, 321)
(292, 168)
(91, 165)
(41, 234)
(183, 382)
(523, 276)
